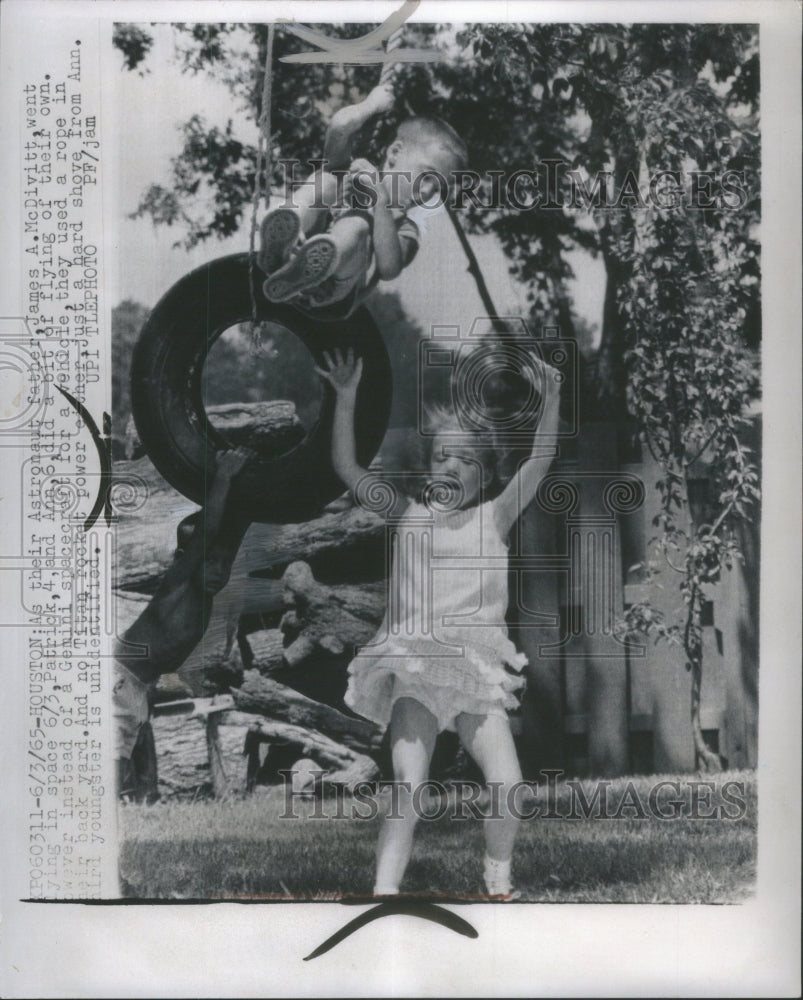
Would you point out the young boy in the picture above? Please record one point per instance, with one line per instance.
(176, 618)
(370, 233)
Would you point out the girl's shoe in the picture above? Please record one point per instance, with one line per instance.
(278, 234)
(308, 267)
(502, 893)
(497, 880)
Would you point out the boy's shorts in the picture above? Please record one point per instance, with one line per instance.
(129, 709)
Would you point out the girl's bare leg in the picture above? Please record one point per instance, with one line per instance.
(489, 741)
(413, 732)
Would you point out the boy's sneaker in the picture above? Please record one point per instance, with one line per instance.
(309, 266)
(278, 234)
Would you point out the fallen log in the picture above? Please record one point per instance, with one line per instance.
(341, 544)
(267, 650)
(327, 620)
(264, 696)
(346, 545)
(342, 766)
(201, 745)
(269, 424)
(182, 755)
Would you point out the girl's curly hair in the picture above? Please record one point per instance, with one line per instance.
(441, 419)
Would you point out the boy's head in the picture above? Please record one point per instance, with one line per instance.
(424, 147)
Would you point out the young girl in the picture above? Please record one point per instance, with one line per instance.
(441, 656)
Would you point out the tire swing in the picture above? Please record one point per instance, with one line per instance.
(169, 358)
(168, 408)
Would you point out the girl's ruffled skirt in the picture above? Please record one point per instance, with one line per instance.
(469, 670)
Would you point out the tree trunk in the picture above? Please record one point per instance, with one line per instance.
(610, 403)
(705, 759)
(611, 378)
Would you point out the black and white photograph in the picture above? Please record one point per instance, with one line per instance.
(393, 534)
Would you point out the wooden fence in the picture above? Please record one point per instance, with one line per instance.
(595, 705)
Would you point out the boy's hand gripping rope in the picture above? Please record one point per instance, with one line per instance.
(387, 78)
(388, 75)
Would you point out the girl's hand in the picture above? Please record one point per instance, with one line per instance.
(343, 374)
(546, 379)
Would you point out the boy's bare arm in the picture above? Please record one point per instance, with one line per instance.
(388, 249)
(346, 122)
(227, 465)
(387, 245)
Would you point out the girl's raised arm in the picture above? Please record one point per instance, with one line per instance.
(343, 374)
(520, 491)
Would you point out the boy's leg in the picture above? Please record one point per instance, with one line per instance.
(489, 741)
(342, 254)
(314, 200)
(129, 709)
(306, 212)
(279, 232)
(413, 732)
(351, 235)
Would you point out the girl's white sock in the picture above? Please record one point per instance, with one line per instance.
(497, 876)
(386, 890)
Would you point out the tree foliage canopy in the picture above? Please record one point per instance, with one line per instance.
(598, 97)
(666, 109)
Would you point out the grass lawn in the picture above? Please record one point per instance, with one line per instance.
(242, 848)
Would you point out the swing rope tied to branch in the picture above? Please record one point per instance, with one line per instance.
(389, 69)
(262, 173)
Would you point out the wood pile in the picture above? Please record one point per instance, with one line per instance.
(271, 669)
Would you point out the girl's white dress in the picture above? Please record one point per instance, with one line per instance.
(444, 640)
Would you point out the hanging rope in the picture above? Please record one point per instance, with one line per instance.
(389, 68)
(262, 174)
(387, 78)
